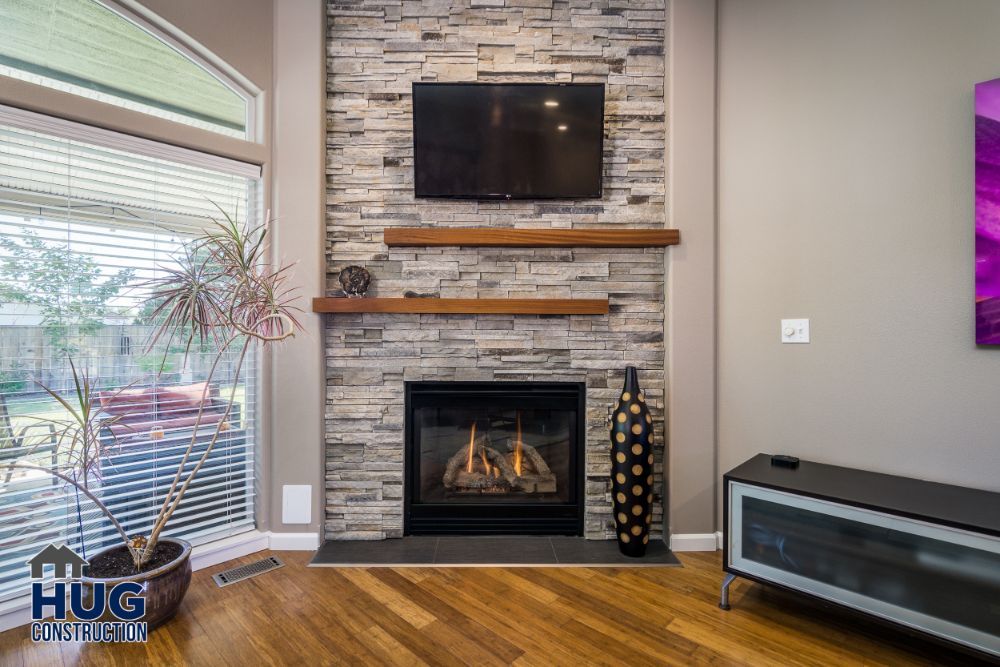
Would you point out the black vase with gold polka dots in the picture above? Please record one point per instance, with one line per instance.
(632, 467)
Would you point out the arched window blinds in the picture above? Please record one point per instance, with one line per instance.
(85, 48)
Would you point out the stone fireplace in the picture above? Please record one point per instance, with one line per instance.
(375, 51)
(494, 458)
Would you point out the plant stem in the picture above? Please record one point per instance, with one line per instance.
(194, 434)
(162, 519)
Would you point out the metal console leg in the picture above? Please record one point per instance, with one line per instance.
(724, 597)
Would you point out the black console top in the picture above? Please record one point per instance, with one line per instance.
(956, 506)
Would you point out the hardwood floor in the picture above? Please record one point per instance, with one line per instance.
(492, 616)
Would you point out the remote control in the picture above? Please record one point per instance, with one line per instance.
(784, 461)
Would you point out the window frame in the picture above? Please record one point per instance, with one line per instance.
(130, 10)
(94, 113)
(257, 389)
(68, 129)
(59, 112)
(176, 41)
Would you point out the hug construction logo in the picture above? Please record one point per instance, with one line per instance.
(119, 602)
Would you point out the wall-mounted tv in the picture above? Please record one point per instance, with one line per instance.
(507, 140)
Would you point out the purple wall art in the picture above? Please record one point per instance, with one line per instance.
(988, 212)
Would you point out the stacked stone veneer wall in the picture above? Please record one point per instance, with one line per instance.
(375, 50)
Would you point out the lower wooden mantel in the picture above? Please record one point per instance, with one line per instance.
(461, 306)
(530, 238)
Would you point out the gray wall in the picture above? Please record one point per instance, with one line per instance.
(846, 196)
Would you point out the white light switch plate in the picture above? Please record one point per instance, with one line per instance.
(795, 331)
(296, 503)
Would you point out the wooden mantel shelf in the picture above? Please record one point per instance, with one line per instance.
(461, 306)
(530, 238)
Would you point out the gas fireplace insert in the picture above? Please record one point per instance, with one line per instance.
(494, 458)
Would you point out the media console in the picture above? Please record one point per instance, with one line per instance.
(917, 554)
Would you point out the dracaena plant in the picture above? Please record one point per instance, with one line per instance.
(78, 438)
(219, 294)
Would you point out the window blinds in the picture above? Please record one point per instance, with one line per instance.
(85, 48)
(83, 225)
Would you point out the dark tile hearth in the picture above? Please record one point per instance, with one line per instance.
(509, 550)
(535, 551)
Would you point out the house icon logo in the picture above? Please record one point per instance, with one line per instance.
(101, 611)
(61, 558)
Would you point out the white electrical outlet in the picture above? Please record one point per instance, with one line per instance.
(795, 331)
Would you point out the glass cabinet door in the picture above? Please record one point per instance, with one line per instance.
(941, 580)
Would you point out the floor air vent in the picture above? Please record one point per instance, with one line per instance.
(233, 575)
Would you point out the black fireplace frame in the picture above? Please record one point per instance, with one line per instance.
(495, 519)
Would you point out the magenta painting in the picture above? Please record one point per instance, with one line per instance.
(988, 212)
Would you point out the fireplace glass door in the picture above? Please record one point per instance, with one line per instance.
(494, 457)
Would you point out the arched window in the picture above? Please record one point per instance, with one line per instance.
(87, 217)
(85, 48)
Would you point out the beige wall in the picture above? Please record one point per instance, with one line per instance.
(690, 294)
(299, 130)
(846, 196)
(278, 47)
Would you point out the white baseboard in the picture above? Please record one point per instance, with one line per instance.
(228, 548)
(695, 541)
(15, 613)
(250, 542)
(294, 541)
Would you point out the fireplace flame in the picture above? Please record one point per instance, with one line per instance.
(486, 463)
(518, 454)
(472, 442)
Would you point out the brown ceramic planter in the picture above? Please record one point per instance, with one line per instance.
(164, 587)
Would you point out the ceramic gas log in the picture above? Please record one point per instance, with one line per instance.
(479, 467)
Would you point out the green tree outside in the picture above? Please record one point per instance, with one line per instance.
(68, 288)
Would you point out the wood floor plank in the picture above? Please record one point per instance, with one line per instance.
(362, 602)
(521, 630)
(511, 578)
(412, 613)
(633, 621)
(493, 616)
(454, 622)
(390, 650)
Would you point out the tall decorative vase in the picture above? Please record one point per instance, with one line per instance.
(632, 467)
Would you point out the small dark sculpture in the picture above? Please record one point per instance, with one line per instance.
(355, 280)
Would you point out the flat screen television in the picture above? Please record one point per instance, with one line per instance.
(508, 141)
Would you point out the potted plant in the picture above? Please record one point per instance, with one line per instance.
(218, 294)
